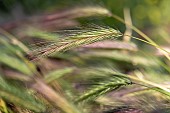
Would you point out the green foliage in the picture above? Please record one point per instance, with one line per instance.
(107, 85)
(20, 97)
(32, 32)
(91, 63)
(15, 63)
(57, 74)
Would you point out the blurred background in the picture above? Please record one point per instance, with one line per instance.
(149, 15)
(70, 81)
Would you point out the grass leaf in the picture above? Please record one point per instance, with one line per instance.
(15, 64)
(57, 74)
(19, 96)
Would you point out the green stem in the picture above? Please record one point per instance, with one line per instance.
(142, 34)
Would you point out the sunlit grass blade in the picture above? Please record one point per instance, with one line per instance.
(3, 106)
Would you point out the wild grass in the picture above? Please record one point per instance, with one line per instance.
(79, 38)
(102, 87)
(81, 70)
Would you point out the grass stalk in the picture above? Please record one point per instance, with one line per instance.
(14, 40)
(144, 81)
(142, 34)
(55, 98)
(79, 38)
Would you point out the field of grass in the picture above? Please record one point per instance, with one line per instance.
(72, 56)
